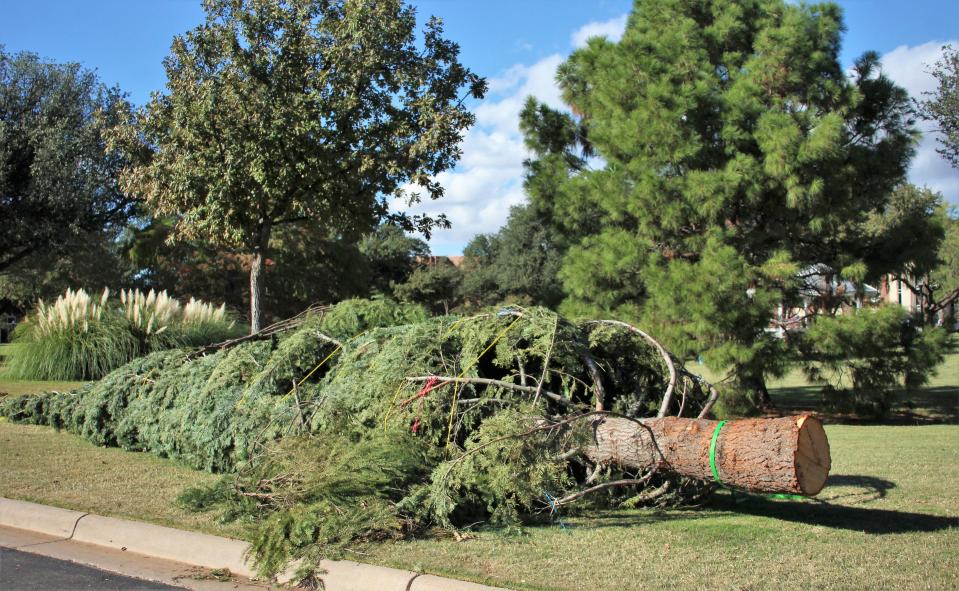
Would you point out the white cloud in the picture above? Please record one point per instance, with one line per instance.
(537, 80)
(489, 177)
(909, 66)
(611, 29)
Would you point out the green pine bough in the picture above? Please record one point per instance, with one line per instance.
(368, 421)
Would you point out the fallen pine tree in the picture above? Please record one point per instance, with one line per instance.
(368, 420)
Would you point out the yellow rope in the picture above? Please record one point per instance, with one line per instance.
(336, 350)
(402, 384)
(449, 426)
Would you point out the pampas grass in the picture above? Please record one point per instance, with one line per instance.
(81, 337)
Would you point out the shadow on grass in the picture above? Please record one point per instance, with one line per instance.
(927, 405)
(825, 513)
(870, 521)
(867, 488)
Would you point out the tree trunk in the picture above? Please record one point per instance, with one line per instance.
(754, 382)
(786, 455)
(256, 277)
(256, 290)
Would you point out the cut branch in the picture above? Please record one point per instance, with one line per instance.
(499, 383)
(668, 395)
(273, 329)
(597, 377)
(613, 483)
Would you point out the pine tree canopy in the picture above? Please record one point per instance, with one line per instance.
(733, 152)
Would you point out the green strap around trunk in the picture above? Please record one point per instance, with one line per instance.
(712, 466)
(712, 453)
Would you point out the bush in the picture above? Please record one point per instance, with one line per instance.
(866, 356)
(160, 322)
(78, 337)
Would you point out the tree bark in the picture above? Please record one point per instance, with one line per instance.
(786, 455)
(256, 290)
(756, 383)
(256, 277)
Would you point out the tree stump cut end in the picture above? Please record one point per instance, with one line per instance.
(812, 457)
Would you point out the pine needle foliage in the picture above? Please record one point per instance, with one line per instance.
(864, 357)
(332, 439)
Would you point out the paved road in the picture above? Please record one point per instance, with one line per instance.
(20, 571)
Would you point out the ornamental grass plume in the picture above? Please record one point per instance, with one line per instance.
(150, 313)
(80, 337)
(73, 309)
(76, 337)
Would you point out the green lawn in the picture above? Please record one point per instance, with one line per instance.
(936, 402)
(889, 518)
(40, 465)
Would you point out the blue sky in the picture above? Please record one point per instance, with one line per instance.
(515, 44)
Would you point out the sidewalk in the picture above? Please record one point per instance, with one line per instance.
(175, 557)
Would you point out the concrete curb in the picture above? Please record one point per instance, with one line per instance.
(206, 551)
(51, 521)
(164, 542)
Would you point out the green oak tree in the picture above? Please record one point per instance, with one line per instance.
(520, 262)
(58, 184)
(391, 256)
(944, 278)
(915, 239)
(734, 153)
(435, 285)
(941, 106)
(298, 111)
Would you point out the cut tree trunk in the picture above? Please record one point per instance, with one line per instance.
(786, 455)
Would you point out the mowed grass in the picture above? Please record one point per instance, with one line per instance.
(41, 465)
(889, 518)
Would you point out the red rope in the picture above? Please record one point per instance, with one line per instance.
(430, 384)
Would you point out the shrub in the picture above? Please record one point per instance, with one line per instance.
(865, 356)
(79, 337)
(162, 323)
(76, 337)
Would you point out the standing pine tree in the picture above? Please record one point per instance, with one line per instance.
(736, 153)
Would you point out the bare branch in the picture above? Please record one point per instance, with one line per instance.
(668, 396)
(580, 494)
(499, 383)
(597, 376)
(549, 353)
